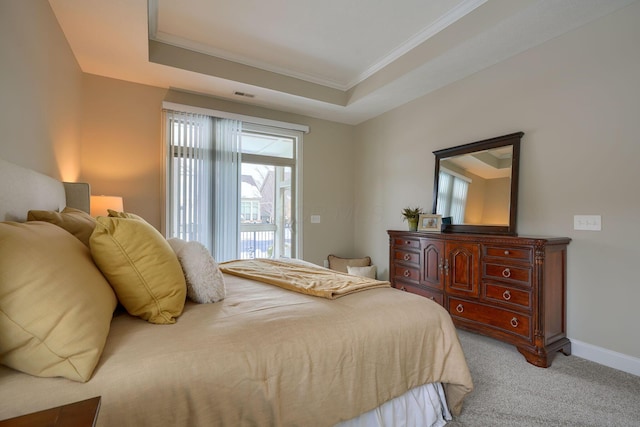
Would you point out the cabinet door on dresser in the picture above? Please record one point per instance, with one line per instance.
(433, 258)
(432, 279)
(461, 269)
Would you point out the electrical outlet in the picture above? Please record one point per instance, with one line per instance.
(315, 219)
(587, 222)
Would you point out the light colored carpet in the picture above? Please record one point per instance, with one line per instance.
(508, 391)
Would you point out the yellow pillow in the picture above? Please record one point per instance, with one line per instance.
(75, 221)
(141, 267)
(55, 305)
(116, 214)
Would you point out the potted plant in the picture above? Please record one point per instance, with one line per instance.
(411, 215)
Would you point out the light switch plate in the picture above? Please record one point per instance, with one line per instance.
(315, 219)
(587, 222)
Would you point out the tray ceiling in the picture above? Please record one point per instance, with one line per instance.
(341, 60)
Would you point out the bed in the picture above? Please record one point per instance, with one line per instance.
(262, 356)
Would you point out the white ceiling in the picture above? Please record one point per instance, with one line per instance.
(489, 164)
(335, 43)
(341, 60)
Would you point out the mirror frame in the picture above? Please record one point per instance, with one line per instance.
(486, 144)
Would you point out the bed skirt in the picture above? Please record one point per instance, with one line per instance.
(424, 406)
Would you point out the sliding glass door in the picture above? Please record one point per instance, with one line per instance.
(268, 202)
(233, 186)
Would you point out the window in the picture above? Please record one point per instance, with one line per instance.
(233, 186)
(249, 209)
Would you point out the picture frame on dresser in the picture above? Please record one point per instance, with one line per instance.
(430, 223)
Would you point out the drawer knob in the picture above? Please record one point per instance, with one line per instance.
(506, 252)
(506, 273)
(506, 295)
(407, 257)
(406, 273)
(407, 242)
(459, 308)
(514, 322)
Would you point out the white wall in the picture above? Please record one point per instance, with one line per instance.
(577, 99)
(40, 91)
(121, 143)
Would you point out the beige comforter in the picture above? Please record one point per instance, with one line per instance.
(264, 356)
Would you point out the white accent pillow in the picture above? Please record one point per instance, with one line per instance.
(369, 271)
(205, 283)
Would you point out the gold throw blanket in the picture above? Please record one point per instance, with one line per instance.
(303, 278)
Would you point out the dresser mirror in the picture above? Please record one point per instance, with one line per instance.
(476, 186)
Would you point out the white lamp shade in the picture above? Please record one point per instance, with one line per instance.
(100, 204)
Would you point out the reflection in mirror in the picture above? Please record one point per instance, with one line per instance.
(475, 188)
(476, 185)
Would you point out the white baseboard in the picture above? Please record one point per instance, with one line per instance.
(605, 357)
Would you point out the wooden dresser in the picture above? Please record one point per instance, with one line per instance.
(509, 288)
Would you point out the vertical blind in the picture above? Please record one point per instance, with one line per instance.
(459, 200)
(226, 189)
(203, 178)
(189, 164)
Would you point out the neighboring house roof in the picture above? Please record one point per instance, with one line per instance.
(249, 191)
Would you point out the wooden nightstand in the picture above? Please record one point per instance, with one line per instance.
(78, 414)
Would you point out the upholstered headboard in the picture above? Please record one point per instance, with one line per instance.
(22, 189)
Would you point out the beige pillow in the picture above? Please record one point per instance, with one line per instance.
(340, 264)
(75, 221)
(369, 271)
(141, 267)
(55, 305)
(205, 282)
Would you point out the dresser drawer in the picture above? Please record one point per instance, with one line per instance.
(507, 295)
(419, 290)
(497, 318)
(405, 273)
(508, 273)
(406, 243)
(406, 257)
(507, 252)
